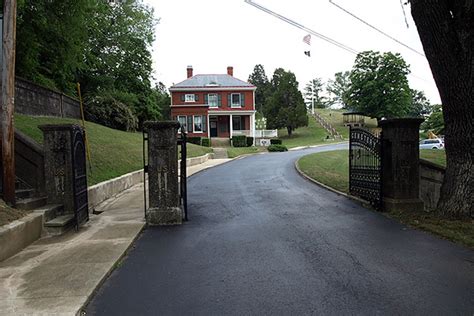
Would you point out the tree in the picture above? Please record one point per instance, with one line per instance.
(312, 92)
(435, 122)
(285, 106)
(420, 105)
(379, 85)
(259, 79)
(339, 87)
(446, 30)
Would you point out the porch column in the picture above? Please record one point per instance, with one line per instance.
(208, 127)
(252, 127)
(231, 128)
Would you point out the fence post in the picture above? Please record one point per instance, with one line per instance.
(163, 174)
(400, 161)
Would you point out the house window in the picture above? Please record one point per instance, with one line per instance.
(235, 100)
(237, 123)
(189, 98)
(198, 124)
(182, 121)
(212, 100)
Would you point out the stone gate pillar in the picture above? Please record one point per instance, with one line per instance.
(400, 163)
(58, 165)
(163, 173)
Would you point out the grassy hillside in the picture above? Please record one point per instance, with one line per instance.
(113, 152)
(335, 118)
(313, 134)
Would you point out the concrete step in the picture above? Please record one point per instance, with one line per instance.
(30, 203)
(220, 153)
(59, 225)
(50, 211)
(24, 193)
(220, 142)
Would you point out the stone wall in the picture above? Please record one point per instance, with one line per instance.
(32, 99)
(431, 178)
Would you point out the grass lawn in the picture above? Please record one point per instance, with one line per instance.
(331, 168)
(434, 155)
(233, 152)
(312, 134)
(113, 152)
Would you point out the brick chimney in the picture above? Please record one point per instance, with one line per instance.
(190, 71)
(230, 71)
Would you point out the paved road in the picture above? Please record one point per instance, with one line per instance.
(262, 240)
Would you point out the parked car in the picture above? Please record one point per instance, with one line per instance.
(432, 144)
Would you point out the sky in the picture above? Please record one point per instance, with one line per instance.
(213, 34)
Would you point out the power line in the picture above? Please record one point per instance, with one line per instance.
(302, 27)
(377, 29)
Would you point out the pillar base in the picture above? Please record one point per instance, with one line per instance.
(403, 205)
(164, 216)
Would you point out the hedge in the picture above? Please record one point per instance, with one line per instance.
(277, 148)
(239, 141)
(206, 142)
(275, 141)
(194, 140)
(249, 141)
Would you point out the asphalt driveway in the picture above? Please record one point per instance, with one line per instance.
(262, 240)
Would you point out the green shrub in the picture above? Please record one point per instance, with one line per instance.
(275, 141)
(106, 109)
(249, 141)
(277, 147)
(239, 141)
(194, 140)
(206, 142)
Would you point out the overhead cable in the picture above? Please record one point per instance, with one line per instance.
(375, 28)
(302, 27)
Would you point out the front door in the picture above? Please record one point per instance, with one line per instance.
(213, 126)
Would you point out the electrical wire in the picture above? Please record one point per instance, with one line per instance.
(302, 27)
(377, 29)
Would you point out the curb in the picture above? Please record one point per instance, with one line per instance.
(315, 146)
(325, 186)
(81, 311)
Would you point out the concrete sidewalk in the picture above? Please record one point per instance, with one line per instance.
(58, 275)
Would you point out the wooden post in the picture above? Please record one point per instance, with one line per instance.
(8, 100)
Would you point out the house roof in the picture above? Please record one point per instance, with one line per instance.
(212, 81)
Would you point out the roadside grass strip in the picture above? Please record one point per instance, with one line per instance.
(233, 152)
(332, 169)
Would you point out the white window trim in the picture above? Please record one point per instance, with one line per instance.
(232, 105)
(209, 98)
(194, 124)
(188, 100)
(185, 122)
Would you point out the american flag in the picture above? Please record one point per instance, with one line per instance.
(307, 39)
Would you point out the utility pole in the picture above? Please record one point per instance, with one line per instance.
(312, 98)
(8, 100)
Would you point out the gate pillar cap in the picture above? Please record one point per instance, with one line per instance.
(58, 127)
(161, 124)
(409, 121)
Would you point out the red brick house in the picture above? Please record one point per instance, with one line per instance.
(214, 106)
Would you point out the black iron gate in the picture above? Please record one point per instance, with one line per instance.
(365, 165)
(183, 195)
(81, 205)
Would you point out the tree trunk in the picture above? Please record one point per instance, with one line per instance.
(290, 130)
(446, 30)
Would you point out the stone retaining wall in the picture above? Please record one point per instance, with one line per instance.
(35, 100)
(431, 178)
